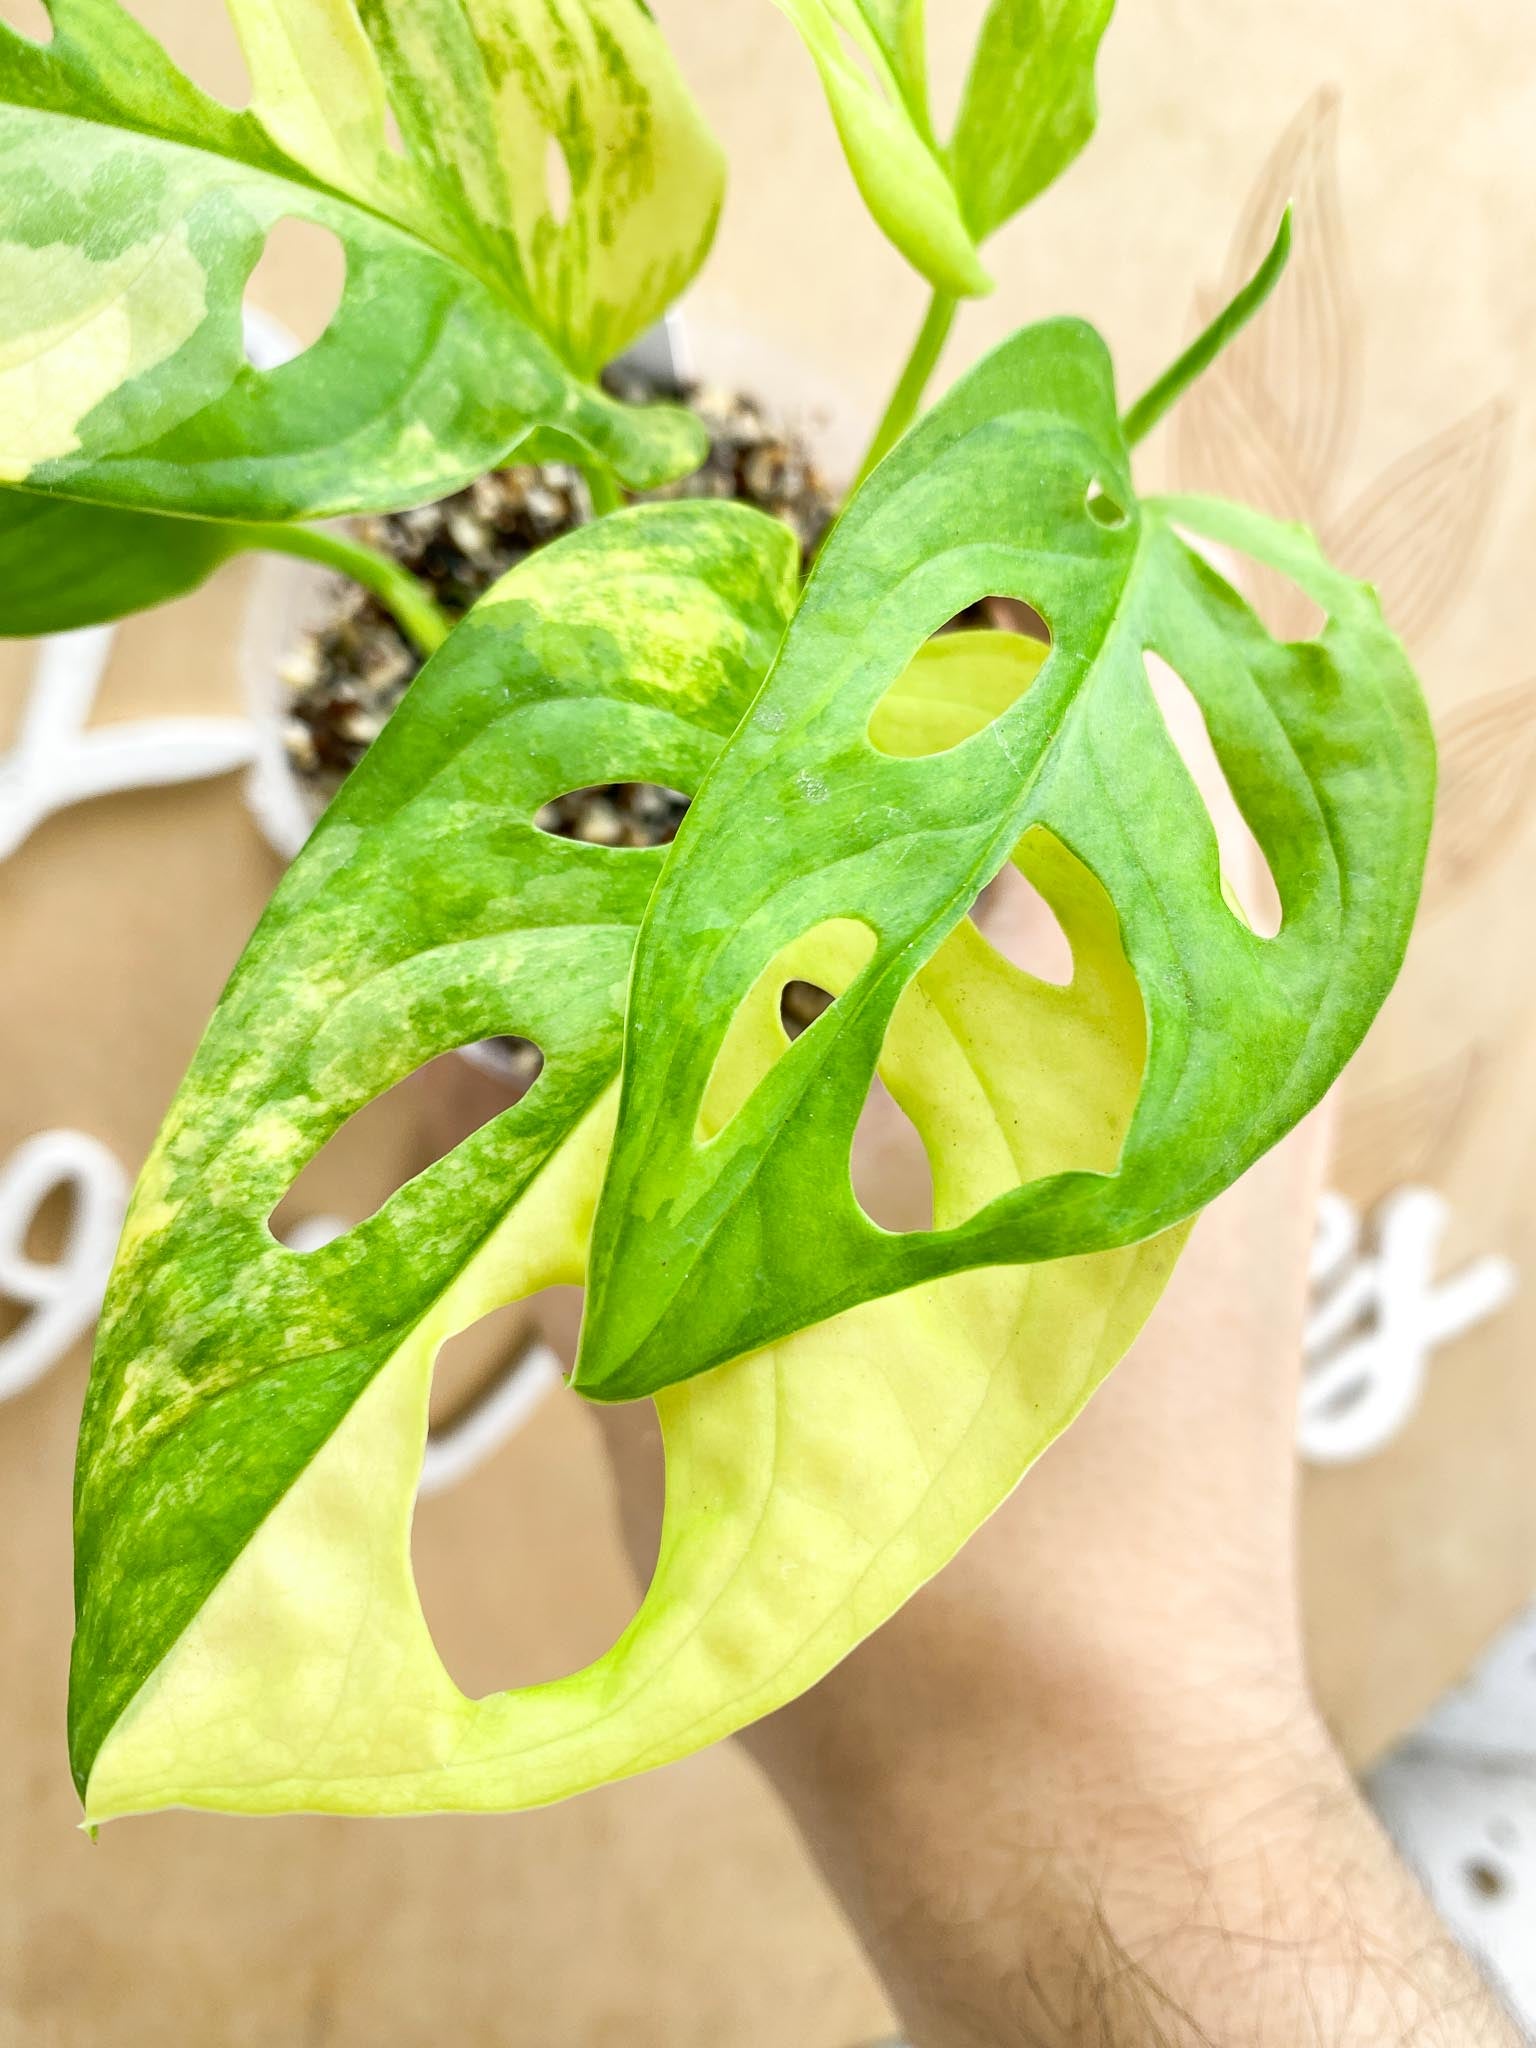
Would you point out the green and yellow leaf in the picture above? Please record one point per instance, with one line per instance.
(1017, 484)
(246, 1551)
(249, 1634)
(475, 311)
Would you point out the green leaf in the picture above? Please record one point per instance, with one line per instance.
(1016, 484)
(250, 1635)
(1027, 110)
(1029, 105)
(426, 911)
(64, 565)
(133, 209)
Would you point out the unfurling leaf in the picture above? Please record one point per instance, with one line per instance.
(1027, 111)
(477, 301)
(1018, 485)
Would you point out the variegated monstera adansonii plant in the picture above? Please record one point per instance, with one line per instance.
(841, 1405)
(482, 293)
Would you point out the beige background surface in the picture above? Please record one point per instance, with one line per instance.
(677, 1910)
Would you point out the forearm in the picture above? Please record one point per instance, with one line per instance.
(1145, 1893)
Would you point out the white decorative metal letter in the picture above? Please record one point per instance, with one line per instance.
(62, 1294)
(57, 762)
(1376, 1317)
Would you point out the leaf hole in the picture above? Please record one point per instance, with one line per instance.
(1002, 615)
(800, 1004)
(299, 278)
(1247, 881)
(201, 42)
(1064, 1041)
(518, 1569)
(1104, 508)
(792, 993)
(558, 187)
(957, 685)
(394, 140)
(396, 1137)
(29, 18)
(1017, 921)
(1286, 611)
(889, 1166)
(625, 814)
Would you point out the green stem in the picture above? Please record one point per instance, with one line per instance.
(908, 395)
(603, 487)
(402, 595)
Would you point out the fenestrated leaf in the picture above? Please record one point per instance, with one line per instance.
(64, 565)
(810, 1489)
(1027, 111)
(427, 911)
(133, 208)
(488, 90)
(1017, 484)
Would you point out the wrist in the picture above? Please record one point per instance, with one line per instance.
(1170, 1881)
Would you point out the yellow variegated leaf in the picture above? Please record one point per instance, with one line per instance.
(810, 1489)
(479, 300)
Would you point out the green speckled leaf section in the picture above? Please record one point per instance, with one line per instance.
(1016, 484)
(426, 912)
(133, 209)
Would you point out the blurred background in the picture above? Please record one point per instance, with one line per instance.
(1387, 397)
